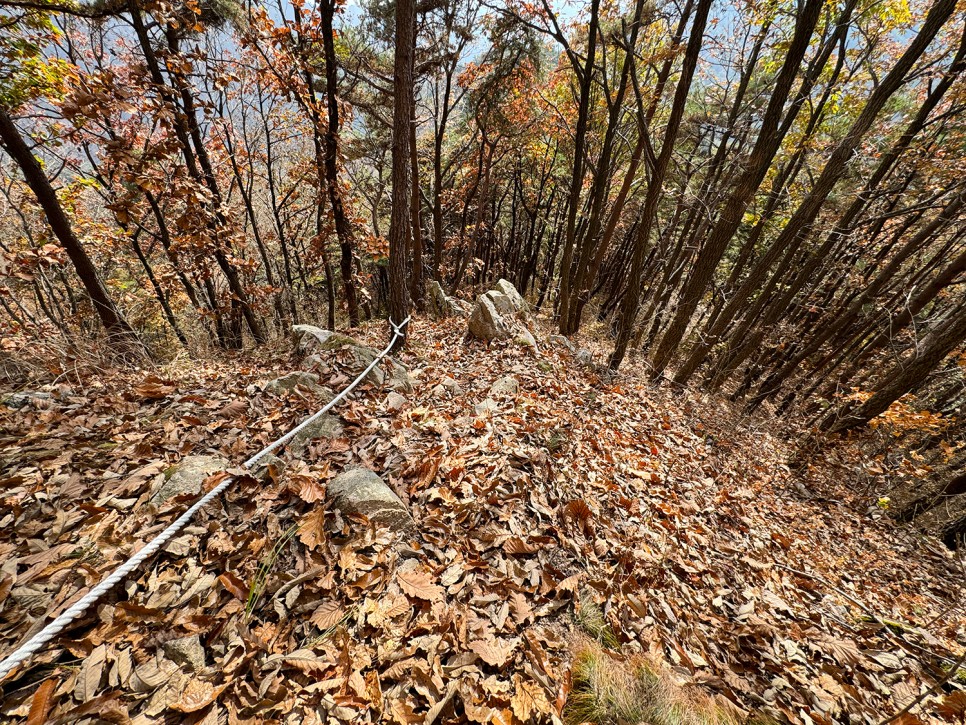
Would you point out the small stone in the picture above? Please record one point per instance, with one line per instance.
(399, 378)
(507, 385)
(186, 651)
(485, 408)
(585, 358)
(524, 337)
(327, 426)
(360, 491)
(446, 387)
(394, 401)
(186, 477)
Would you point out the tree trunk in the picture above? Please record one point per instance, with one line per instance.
(804, 217)
(400, 225)
(118, 329)
(330, 138)
(766, 146)
(632, 299)
(906, 376)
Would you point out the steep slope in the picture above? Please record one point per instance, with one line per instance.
(553, 508)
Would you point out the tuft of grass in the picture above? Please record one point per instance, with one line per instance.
(609, 689)
(591, 620)
(606, 692)
(265, 567)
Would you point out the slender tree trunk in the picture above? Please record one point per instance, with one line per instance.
(343, 228)
(632, 299)
(577, 179)
(416, 283)
(117, 327)
(400, 222)
(906, 376)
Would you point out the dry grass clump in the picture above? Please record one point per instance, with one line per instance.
(610, 689)
(590, 618)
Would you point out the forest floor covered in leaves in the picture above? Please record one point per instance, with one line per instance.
(657, 522)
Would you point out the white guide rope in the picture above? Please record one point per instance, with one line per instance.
(35, 643)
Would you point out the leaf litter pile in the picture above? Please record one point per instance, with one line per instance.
(555, 512)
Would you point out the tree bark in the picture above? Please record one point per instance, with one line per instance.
(400, 223)
(330, 138)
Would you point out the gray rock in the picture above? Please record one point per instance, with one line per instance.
(337, 340)
(293, 381)
(34, 398)
(485, 408)
(327, 426)
(311, 338)
(503, 304)
(186, 651)
(394, 401)
(186, 477)
(486, 323)
(501, 313)
(561, 341)
(360, 491)
(446, 387)
(516, 299)
(441, 305)
(399, 378)
(585, 358)
(266, 462)
(523, 336)
(359, 357)
(507, 385)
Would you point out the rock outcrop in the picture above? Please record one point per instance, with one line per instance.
(486, 322)
(310, 338)
(500, 314)
(327, 426)
(354, 357)
(360, 491)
